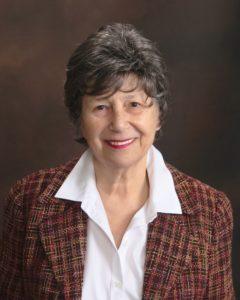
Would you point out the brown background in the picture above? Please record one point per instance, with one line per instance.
(200, 42)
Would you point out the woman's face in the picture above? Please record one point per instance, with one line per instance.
(120, 128)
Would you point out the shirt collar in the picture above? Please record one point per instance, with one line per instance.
(80, 184)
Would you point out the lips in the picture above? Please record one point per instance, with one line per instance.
(119, 144)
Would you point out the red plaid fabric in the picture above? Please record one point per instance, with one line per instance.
(43, 246)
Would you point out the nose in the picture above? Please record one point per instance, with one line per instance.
(119, 120)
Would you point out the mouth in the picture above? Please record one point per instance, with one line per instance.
(119, 144)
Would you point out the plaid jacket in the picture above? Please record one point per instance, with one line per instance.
(43, 248)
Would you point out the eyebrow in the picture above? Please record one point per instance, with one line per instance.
(126, 97)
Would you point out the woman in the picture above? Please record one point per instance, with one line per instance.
(117, 222)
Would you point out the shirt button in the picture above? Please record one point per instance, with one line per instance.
(118, 284)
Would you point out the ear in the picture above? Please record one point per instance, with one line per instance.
(159, 125)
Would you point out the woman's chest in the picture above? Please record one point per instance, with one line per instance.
(118, 223)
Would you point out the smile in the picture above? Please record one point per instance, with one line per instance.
(119, 144)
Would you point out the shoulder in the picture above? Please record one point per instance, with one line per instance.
(195, 194)
(34, 184)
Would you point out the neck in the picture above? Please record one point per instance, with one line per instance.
(124, 185)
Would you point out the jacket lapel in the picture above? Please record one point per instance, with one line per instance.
(170, 243)
(63, 233)
(168, 249)
(64, 240)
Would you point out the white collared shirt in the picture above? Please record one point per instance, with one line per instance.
(111, 272)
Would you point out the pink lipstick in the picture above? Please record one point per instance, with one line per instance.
(115, 144)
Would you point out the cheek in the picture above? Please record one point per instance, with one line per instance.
(90, 128)
(150, 124)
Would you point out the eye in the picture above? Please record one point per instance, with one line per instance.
(101, 107)
(135, 104)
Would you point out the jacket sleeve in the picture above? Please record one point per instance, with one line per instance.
(220, 285)
(11, 247)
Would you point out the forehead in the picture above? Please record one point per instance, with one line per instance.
(130, 88)
(130, 83)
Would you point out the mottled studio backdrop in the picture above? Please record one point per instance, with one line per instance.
(200, 42)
